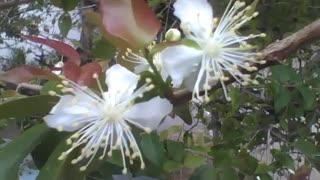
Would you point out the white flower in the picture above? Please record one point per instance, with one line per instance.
(142, 63)
(220, 49)
(102, 122)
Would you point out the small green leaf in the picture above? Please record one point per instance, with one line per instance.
(50, 86)
(54, 168)
(263, 168)
(170, 166)
(65, 24)
(235, 98)
(152, 148)
(194, 161)
(28, 106)
(283, 158)
(306, 147)
(308, 97)
(175, 150)
(12, 154)
(228, 174)
(66, 5)
(284, 74)
(282, 99)
(183, 111)
(204, 172)
(104, 49)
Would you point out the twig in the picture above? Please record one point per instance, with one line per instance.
(198, 153)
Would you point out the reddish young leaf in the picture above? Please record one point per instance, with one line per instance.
(87, 72)
(24, 74)
(130, 20)
(71, 71)
(96, 20)
(61, 47)
(81, 75)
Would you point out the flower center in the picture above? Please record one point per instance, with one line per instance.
(213, 49)
(113, 113)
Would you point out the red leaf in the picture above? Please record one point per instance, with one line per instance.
(61, 47)
(81, 75)
(130, 20)
(24, 74)
(87, 72)
(71, 71)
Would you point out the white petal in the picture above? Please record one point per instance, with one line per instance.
(197, 14)
(190, 81)
(72, 110)
(79, 104)
(150, 113)
(65, 121)
(141, 67)
(180, 61)
(119, 78)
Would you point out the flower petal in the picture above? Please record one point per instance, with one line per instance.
(71, 110)
(120, 79)
(150, 113)
(180, 61)
(65, 121)
(197, 14)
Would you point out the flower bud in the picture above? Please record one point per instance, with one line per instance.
(173, 35)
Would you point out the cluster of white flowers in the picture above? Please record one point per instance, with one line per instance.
(101, 122)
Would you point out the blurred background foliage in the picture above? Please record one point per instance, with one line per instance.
(268, 131)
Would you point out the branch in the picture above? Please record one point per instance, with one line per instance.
(13, 3)
(273, 54)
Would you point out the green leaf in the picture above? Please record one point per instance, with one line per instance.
(12, 154)
(284, 74)
(66, 5)
(50, 86)
(152, 149)
(175, 150)
(194, 161)
(228, 174)
(34, 105)
(282, 99)
(183, 111)
(65, 24)
(170, 166)
(42, 152)
(245, 162)
(104, 49)
(54, 168)
(306, 147)
(308, 97)
(263, 168)
(204, 172)
(283, 158)
(235, 98)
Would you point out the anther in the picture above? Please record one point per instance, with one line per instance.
(52, 93)
(124, 171)
(95, 76)
(83, 168)
(148, 130)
